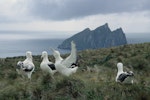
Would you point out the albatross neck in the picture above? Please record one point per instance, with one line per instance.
(45, 59)
(29, 58)
(58, 59)
(120, 69)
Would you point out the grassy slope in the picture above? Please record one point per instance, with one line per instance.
(84, 85)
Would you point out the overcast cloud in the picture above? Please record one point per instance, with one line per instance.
(70, 9)
(20, 10)
(74, 15)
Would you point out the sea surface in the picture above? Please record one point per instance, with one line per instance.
(13, 48)
(18, 47)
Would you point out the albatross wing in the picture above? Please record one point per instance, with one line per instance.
(72, 58)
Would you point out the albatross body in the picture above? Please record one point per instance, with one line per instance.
(64, 70)
(71, 60)
(66, 66)
(26, 67)
(46, 65)
(124, 77)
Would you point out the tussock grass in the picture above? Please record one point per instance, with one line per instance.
(96, 83)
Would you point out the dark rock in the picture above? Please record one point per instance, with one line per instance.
(101, 37)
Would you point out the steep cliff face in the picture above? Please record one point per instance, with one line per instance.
(101, 37)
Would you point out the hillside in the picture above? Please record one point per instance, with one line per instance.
(95, 84)
(101, 37)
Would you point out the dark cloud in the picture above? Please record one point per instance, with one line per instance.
(70, 9)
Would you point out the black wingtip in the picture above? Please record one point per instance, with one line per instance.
(52, 66)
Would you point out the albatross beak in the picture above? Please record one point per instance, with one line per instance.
(52, 49)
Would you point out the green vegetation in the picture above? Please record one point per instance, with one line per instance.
(96, 83)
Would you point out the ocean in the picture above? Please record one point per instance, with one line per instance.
(18, 47)
(13, 48)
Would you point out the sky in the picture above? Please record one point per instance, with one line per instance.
(63, 18)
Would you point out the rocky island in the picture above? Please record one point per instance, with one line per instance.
(101, 37)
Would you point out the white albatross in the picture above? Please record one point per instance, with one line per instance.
(26, 67)
(71, 60)
(124, 77)
(66, 66)
(46, 65)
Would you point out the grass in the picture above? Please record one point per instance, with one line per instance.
(94, 84)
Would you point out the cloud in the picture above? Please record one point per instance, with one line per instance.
(28, 10)
(74, 15)
(22, 35)
(14, 11)
(128, 21)
(73, 9)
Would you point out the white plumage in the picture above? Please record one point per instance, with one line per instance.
(46, 65)
(64, 70)
(124, 77)
(70, 60)
(66, 66)
(26, 67)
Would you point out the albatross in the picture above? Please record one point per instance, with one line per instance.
(124, 77)
(66, 66)
(26, 67)
(46, 65)
(71, 60)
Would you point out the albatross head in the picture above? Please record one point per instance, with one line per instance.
(56, 53)
(120, 67)
(44, 54)
(29, 54)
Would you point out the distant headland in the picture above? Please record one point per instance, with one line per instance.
(101, 37)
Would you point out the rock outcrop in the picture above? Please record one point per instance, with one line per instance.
(101, 37)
